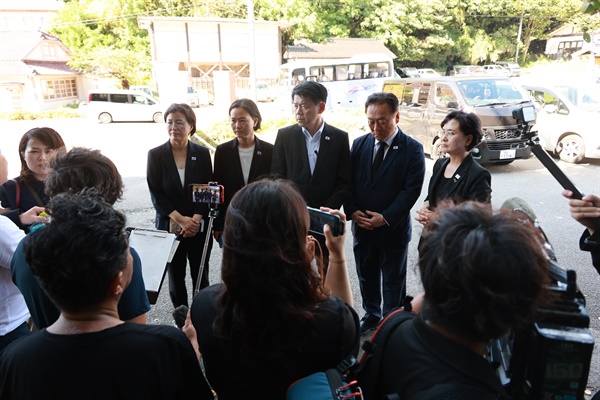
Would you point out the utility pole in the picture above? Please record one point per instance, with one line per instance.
(252, 50)
(519, 39)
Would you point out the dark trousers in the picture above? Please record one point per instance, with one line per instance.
(189, 249)
(18, 332)
(381, 264)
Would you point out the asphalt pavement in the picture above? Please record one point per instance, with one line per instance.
(127, 145)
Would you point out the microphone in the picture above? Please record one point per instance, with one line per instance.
(518, 204)
(179, 315)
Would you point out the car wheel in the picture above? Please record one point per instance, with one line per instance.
(571, 149)
(436, 150)
(105, 118)
(158, 117)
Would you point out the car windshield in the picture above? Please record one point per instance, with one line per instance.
(582, 97)
(482, 92)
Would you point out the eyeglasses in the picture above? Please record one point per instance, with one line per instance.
(448, 134)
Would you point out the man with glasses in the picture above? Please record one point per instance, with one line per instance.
(388, 169)
(313, 154)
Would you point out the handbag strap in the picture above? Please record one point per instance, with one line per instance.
(35, 195)
(17, 193)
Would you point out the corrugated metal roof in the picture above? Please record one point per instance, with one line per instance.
(337, 48)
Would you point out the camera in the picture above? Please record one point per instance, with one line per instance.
(551, 359)
(210, 193)
(320, 218)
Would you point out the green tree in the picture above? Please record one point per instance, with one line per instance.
(105, 39)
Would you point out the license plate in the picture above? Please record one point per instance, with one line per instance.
(507, 154)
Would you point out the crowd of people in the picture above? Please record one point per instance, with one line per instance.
(73, 301)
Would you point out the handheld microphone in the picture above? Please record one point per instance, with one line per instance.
(179, 315)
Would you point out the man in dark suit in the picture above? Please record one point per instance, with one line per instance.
(388, 168)
(313, 154)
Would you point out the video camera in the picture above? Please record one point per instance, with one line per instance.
(550, 360)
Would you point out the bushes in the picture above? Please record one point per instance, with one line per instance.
(59, 113)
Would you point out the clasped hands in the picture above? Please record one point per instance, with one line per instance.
(368, 220)
(190, 226)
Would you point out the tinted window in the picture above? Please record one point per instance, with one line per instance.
(119, 98)
(99, 97)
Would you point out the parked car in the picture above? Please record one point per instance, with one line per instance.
(494, 69)
(407, 72)
(512, 67)
(425, 102)
(427, 72)
(108, 105)
(463, 70)
(568, 120)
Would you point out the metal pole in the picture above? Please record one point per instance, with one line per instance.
(252, 50)
(519, 39)
(211, 216)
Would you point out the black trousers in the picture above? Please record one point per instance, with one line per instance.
(190, 249)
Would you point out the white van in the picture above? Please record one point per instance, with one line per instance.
(108, 105)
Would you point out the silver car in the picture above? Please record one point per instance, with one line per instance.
(568, 119)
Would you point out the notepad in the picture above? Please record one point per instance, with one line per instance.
(156, 249)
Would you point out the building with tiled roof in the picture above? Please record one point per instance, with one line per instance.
(34, 74)
(335, 48)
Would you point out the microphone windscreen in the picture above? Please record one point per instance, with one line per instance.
(179, 315)
(518, 204)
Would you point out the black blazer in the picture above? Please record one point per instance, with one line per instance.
(228, 170)
(166, 190)
(472, 182)
(329, 184)
(395, 188)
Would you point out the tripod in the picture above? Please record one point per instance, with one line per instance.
(212, 214)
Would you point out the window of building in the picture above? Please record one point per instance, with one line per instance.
(49, 51)
(59, 89)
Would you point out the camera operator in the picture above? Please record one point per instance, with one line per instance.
(587, 212)
(484, 273)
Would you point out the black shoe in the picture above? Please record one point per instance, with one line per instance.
(368, 324)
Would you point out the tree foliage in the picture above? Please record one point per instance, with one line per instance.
(105, 38)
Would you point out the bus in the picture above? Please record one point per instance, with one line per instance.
(349, 81)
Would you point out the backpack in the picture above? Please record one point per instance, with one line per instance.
(326, 385)
(349, 379)
(367, 372)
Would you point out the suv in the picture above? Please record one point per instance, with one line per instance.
(512, 67)
(425, 102)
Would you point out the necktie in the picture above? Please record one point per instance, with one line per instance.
(378, 157)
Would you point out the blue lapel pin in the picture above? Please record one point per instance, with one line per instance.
(193, 158)
(258, 153)
(327, 138)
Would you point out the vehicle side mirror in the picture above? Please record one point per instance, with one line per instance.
(452, 104)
